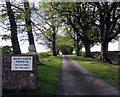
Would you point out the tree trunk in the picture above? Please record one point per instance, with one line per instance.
(104, 52)
(87, 49)
(78, 47)
(28, 22)
(104, 44)
(13, 28)
(54, 45)
(29, 26)
(78, 52)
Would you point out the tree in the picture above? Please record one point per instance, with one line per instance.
(107, 22)
(48, 25)
(28, 22)
(13, 28)
(66, 49)
(79, 16)
(65, 43)
(77, 42)
(7, 50)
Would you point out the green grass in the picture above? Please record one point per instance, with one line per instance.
(47, 76)
(106, 71)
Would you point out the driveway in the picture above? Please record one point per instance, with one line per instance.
(74, 79)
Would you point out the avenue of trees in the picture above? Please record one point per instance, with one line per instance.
(63, 26)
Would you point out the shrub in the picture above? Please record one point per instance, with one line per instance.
(7, 49)
(45, 54)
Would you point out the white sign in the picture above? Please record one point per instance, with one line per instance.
(21, 63)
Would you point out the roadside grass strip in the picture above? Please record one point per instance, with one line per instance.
(106, 71)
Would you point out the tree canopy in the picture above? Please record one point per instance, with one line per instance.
(61, 25)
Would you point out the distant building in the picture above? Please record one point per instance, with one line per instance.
(119, 42)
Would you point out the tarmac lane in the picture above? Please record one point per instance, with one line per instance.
(74, 79)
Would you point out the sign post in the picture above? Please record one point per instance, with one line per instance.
(19, 72)
(21, 63)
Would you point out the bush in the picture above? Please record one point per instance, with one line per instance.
(45, 54)
(7, 49)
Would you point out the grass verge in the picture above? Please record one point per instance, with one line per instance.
(106, 71)
(48, 75)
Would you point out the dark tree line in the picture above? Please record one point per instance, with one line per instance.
(84, 16)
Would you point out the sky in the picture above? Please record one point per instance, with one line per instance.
(43, 48)
(24, 46)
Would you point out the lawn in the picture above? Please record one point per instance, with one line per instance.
(47, 76)
(106, 71)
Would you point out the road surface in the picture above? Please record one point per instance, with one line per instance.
(74, 79)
